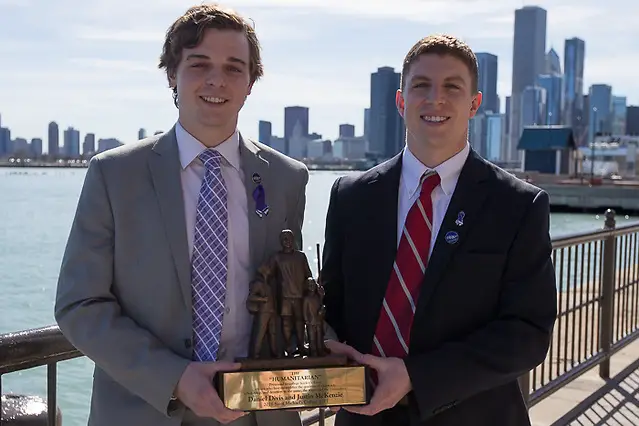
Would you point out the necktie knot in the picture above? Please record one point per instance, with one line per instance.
(430, 180)
(211, 159)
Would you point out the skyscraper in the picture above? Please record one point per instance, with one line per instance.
(293, 115)
(553, 63)
(487, 63)
(387, 129)
(554, 85)
(632, 120)
(533, 106)
(346, 130)
(54, 139)
(265, 132)
(367, 123)
(600, 110)
(71, 143)
(529, 60)
(574, 53)
(618, 119)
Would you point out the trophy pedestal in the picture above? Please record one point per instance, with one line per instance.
(294, 383)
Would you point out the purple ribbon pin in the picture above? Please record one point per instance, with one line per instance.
(259, 196)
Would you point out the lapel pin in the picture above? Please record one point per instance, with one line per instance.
(257, 179)
(452, 237)
(460, 218)
(259, 196)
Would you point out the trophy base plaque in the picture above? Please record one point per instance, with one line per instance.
(294, 383)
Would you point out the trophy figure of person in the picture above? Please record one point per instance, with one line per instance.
(288, 269)
(262, 304)
(314, 318)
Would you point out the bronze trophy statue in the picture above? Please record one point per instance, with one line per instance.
(262, 304)
(314, 319)
(289, 365)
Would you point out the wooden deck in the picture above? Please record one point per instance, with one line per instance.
(591, 400)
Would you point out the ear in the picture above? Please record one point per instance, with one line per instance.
(474, 107)
(399, 101)
(250, 88)
(172, 81)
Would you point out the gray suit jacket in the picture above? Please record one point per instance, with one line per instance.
(124, 291)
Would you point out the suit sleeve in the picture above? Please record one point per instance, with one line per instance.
(89, 314)
(515, 342)
(296, 221)
(332, 267)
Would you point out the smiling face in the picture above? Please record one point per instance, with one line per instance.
(212, 58)
(437, 102)
(213, 82)
(438, 97)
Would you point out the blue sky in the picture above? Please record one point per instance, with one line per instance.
(92, 64)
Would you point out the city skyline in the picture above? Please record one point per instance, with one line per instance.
(103, 77)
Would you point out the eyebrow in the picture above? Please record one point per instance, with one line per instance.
(202, 56)
(456, 78)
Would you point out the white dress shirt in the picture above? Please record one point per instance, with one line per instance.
(237, 322)
(409, 188)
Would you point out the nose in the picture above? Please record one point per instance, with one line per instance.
(215, 77)
(435, 95)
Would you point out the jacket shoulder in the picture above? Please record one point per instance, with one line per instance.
(509, 184)
(279, 160)
(356, 181)
(128, 149)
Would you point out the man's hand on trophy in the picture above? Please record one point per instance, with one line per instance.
(195, 390)
(393, 383)
(338, 348)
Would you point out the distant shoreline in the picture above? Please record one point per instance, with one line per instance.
(311, 167)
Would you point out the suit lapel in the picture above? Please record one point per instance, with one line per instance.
(164, 165)
(469, 196)
(383, 200)
(253, 164)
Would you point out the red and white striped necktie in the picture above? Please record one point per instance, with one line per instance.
(396, 318)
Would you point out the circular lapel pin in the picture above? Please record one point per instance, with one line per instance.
(257, 179)
(452, 237)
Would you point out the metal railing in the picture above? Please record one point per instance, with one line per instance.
(598, 304)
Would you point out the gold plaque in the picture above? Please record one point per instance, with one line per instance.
(288, 364)
(303, 388)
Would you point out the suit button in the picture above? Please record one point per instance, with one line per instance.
(187, 343)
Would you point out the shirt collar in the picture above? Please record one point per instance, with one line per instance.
(448, 171)
(189, 148)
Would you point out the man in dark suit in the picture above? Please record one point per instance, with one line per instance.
(437, 264)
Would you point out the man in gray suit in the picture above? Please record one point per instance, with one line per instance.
(167, 235)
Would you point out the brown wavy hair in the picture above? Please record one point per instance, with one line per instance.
(443, 45)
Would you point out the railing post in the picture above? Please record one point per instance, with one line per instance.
(607, 295)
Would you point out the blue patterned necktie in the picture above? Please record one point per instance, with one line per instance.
(209, 259)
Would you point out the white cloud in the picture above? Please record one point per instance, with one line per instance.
(114, 34)
(112, 65)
